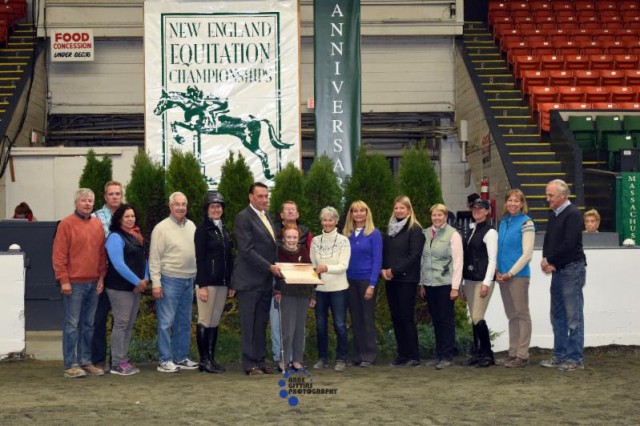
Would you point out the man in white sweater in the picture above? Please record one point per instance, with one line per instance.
(172, 267)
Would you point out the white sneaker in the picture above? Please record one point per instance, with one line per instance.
(187, 364)
(168, 367)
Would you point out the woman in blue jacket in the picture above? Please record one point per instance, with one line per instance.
(362, 274)
(515, 248)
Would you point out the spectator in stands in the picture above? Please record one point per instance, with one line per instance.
(23, 211)
(79, 262)
(516, 236)
(591, 221)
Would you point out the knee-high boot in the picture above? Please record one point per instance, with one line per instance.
(475, 350)
(486, 358)
(213, 338)
(202, 338)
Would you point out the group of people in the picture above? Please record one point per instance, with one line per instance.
(106, 250)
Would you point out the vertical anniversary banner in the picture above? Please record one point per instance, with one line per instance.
(630, 205)
(223, 76)
(337, 81)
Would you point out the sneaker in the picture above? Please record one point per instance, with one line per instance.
(74, 373)
(340, 366)
(187, 364)
(443, 364)
(551, 363)
(412, 363)
(432, 362)
(92, 370)
(398, 362)
(365, 364)
(517, 363)
(504, 361)
(570, 366)
(320, 364)
(168, 367)
(125, 369)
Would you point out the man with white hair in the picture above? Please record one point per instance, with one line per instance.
(562, 256)
(80, 264)
(172, 268)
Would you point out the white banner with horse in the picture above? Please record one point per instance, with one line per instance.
(220, 77)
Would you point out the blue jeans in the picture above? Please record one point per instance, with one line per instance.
(174, 318)
(79, 314)
(567, 312)
(337, 301)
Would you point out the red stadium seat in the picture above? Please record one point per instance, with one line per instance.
(562, 5)
(533, 78)
(565, 48)
(591, 48)
(601, 62)
(606, 5)
(632, 77)
(625, 62)
(551, 62)
(595, 93)
(544, 108)
(544, 48)
(629, 105)
(577, 105)
(539, 5)
(569, 94)
(521, 63)
(586, 78)
(585, 6)
(540, 94)
(611, 77)
(616, 48)
(622, 94)
(604, 105)
(576, 62)
(561, 78)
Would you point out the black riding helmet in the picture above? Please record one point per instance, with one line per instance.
(210, 198)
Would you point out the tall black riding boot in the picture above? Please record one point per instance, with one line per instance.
(213, 338)
(475, 350)
(202, 338)
(486, 358)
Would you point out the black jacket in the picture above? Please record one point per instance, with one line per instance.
(402, 254)
(214, 255)
(563, 238)
(476, 258)
(135, 257)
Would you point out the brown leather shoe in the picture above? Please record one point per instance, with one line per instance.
(517, 363)
(255, 371)
(266, 370)
(504, 361)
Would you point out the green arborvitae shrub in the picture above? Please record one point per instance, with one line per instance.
(321, 189)
(372, 182)
(235, 180)
(418, 180)
(95, 175)
(146, 192)
(288, 186)
(184, 174)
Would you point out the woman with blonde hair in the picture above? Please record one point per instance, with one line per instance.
(516, 236)
(440, 278)
(591, 221)
(364, 269)
(401, 250)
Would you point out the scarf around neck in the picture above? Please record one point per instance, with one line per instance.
(396, 226)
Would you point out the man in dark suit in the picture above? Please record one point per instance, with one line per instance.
(253, 277)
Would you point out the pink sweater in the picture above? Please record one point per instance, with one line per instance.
(78, 250)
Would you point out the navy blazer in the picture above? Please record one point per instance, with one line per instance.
(257, 251)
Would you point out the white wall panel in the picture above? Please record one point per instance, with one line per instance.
(398, 75)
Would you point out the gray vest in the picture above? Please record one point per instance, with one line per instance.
(436, 265)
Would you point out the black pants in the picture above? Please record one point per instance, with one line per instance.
(254, 316)
(442, 314)
(363, 321)
(99, 341)
(401, 297)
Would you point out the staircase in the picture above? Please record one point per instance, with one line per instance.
(529, 160)
(16, 62)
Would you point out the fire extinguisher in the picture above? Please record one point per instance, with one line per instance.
(484, 188)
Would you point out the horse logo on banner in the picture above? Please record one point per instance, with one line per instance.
(208, 115)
